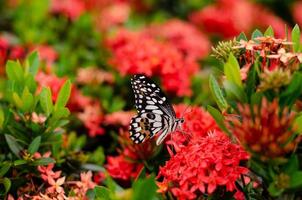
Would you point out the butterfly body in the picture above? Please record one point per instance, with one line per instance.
(155, 114)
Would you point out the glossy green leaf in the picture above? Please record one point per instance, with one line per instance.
(61, 113)
(217, 94)
(218, 117)
(292, 165)
(17, 100)
(296, 179)
(298, 123)
(34, 145)
(12, 143)
(6, 183)
(63, 95)
(27, 99)
(102, 193)
(232, 70)
(274, 191)
(46, 101)
(269, 31)
(242, 36)
(14, 71)
(293, 91)
(234, 91)
(33, 61)
(4, 168)
(251, 81)
(43, 161)
(256, 34)
(19, 162)
(296, 38)
(2, 118)
(144, 188)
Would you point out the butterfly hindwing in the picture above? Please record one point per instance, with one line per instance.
(145, 125)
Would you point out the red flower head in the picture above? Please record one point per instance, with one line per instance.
(297, 7)
(138, 53)
(72, 9)
(204, 165)
(197, 124)
(226, 18)
(184, 36)
(124, 166)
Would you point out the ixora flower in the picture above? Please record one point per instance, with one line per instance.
(197, 123)
(204, 165)
(266, 130)
(72, 9)
(184, 36)
(138, 53)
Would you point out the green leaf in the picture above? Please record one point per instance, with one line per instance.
(251, 81)
(296, 38)
(17, 100)
(46, 101)
(34, 145)
(144, 188)
(298, 123)
(19, 162)
(7, 184)
(217, 93)
(33, 61)
(14, 71)
(292, 165)
(13, 144)
(296, 179)
(293, 91)
(274, 191)
(269, 31)
(242, 36)
(256, 34)
(61, 113)
(102, 193)
(43, 161)
(232, 70)
(218, 117)
(63, 95)
(27, 99)
(4, 168)
(233, 90)
(2, 118)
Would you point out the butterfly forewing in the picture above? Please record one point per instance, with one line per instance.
(149, 97)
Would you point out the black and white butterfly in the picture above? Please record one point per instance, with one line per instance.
(155, 114)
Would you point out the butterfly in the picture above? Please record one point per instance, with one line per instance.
(155, 113)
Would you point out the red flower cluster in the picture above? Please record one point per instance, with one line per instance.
(197, 124)
(125, 166)
(230, 17)
(72, 9)
(205, 164)
(8, 50)
(184, 36)
(138, 53)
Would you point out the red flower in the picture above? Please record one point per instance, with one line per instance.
(197, 124)
(205, 164)
(123, 166)
(297, 7)
(119, 118)
(226, 18)
(138, 53)
(72, 9)
(184, 36)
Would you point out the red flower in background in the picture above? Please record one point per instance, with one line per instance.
(138, 53)
(297, 7)
(205, 164)
(228, 18)
(72, 9)
(124, 166)
(184, 36)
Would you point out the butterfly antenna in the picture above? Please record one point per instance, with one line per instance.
(185, 111)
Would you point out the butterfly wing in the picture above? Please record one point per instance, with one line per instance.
(149, 97)
(145, 125)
